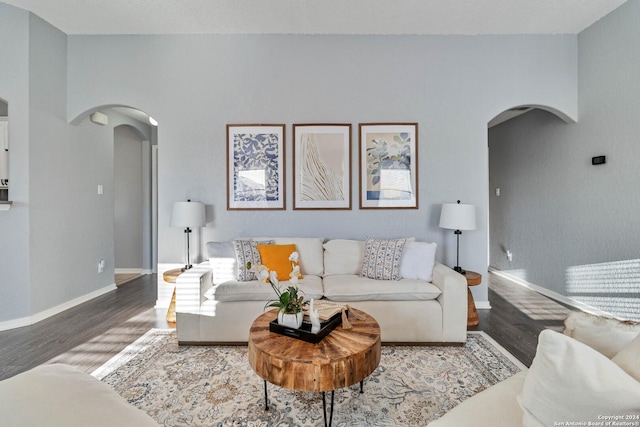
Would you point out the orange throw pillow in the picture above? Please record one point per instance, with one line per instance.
(276, 258)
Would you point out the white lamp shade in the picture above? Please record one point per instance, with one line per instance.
(188, 214)
(457, 216)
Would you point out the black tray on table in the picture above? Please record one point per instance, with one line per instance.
(304, 332)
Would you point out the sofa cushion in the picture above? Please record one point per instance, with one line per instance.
(60, 395)
(605, 334)
(417, 260)
(233, 290)
(222, 260)
(342, 256)
(570, 382)
(309, 250)
(277, 258)
(382, 259)
(629, 358)
(481, 410)
(355, 288)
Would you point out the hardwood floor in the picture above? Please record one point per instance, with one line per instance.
(87, 336)
(517, 317)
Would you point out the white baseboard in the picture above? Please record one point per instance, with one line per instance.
(483, 305)
(35, 318)
(548, 293)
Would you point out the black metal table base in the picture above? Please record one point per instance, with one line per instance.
(324, 403)
(324, 409)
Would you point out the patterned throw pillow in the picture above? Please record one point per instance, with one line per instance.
(247, 251)
(382, 259)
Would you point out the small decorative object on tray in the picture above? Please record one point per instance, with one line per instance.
(314, 317)
(304, 332)
(327, 309)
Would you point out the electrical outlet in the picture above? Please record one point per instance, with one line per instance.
(509, 256)
(101, 266)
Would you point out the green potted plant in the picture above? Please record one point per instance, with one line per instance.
(290, 306)
(289, 302)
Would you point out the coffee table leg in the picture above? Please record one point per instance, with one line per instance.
(266, 402)
(324, 409)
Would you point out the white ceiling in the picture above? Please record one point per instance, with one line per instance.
(432, 17)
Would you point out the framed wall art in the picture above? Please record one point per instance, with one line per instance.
(255, 167)
(322, 166)
(388, 166)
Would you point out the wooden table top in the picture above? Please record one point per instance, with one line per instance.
(473, 278)
(171, 276)
(343, 358)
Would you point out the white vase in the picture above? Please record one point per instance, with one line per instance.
(290, 320)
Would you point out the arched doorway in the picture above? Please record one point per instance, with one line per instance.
(133, 159)
(135, 232)
(520, 209)
(128, 173)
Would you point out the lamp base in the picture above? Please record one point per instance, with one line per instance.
(459, 269)
(187, 267)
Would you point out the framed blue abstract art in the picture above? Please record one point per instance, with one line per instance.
(388, 166)
(255, 167)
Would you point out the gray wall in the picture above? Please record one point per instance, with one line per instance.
(573, 227)
(195, 85)
(128, 209)
(57, 229)
(15, 275)
(71, 226)
(451, 86)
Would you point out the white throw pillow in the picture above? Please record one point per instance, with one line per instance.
(629, 358)
(343, 256)
(570, 382)
(223, 262)
(417, 261)
(605, 334)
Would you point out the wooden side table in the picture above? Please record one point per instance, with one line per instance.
(473, 279)
(171, 276)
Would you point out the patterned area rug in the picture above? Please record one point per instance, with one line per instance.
(215, 386)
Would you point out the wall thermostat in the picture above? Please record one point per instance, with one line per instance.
(598, 160)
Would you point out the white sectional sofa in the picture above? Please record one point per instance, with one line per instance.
(213, 307)
(587, 375)
(59, 395)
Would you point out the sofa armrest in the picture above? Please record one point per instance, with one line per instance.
(453, 300)
(191, 287)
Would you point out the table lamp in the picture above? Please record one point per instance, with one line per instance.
(458, 217)
(188, 214)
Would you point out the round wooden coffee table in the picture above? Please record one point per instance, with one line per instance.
(343, 358)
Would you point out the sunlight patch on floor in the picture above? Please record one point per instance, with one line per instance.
(536, 306)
